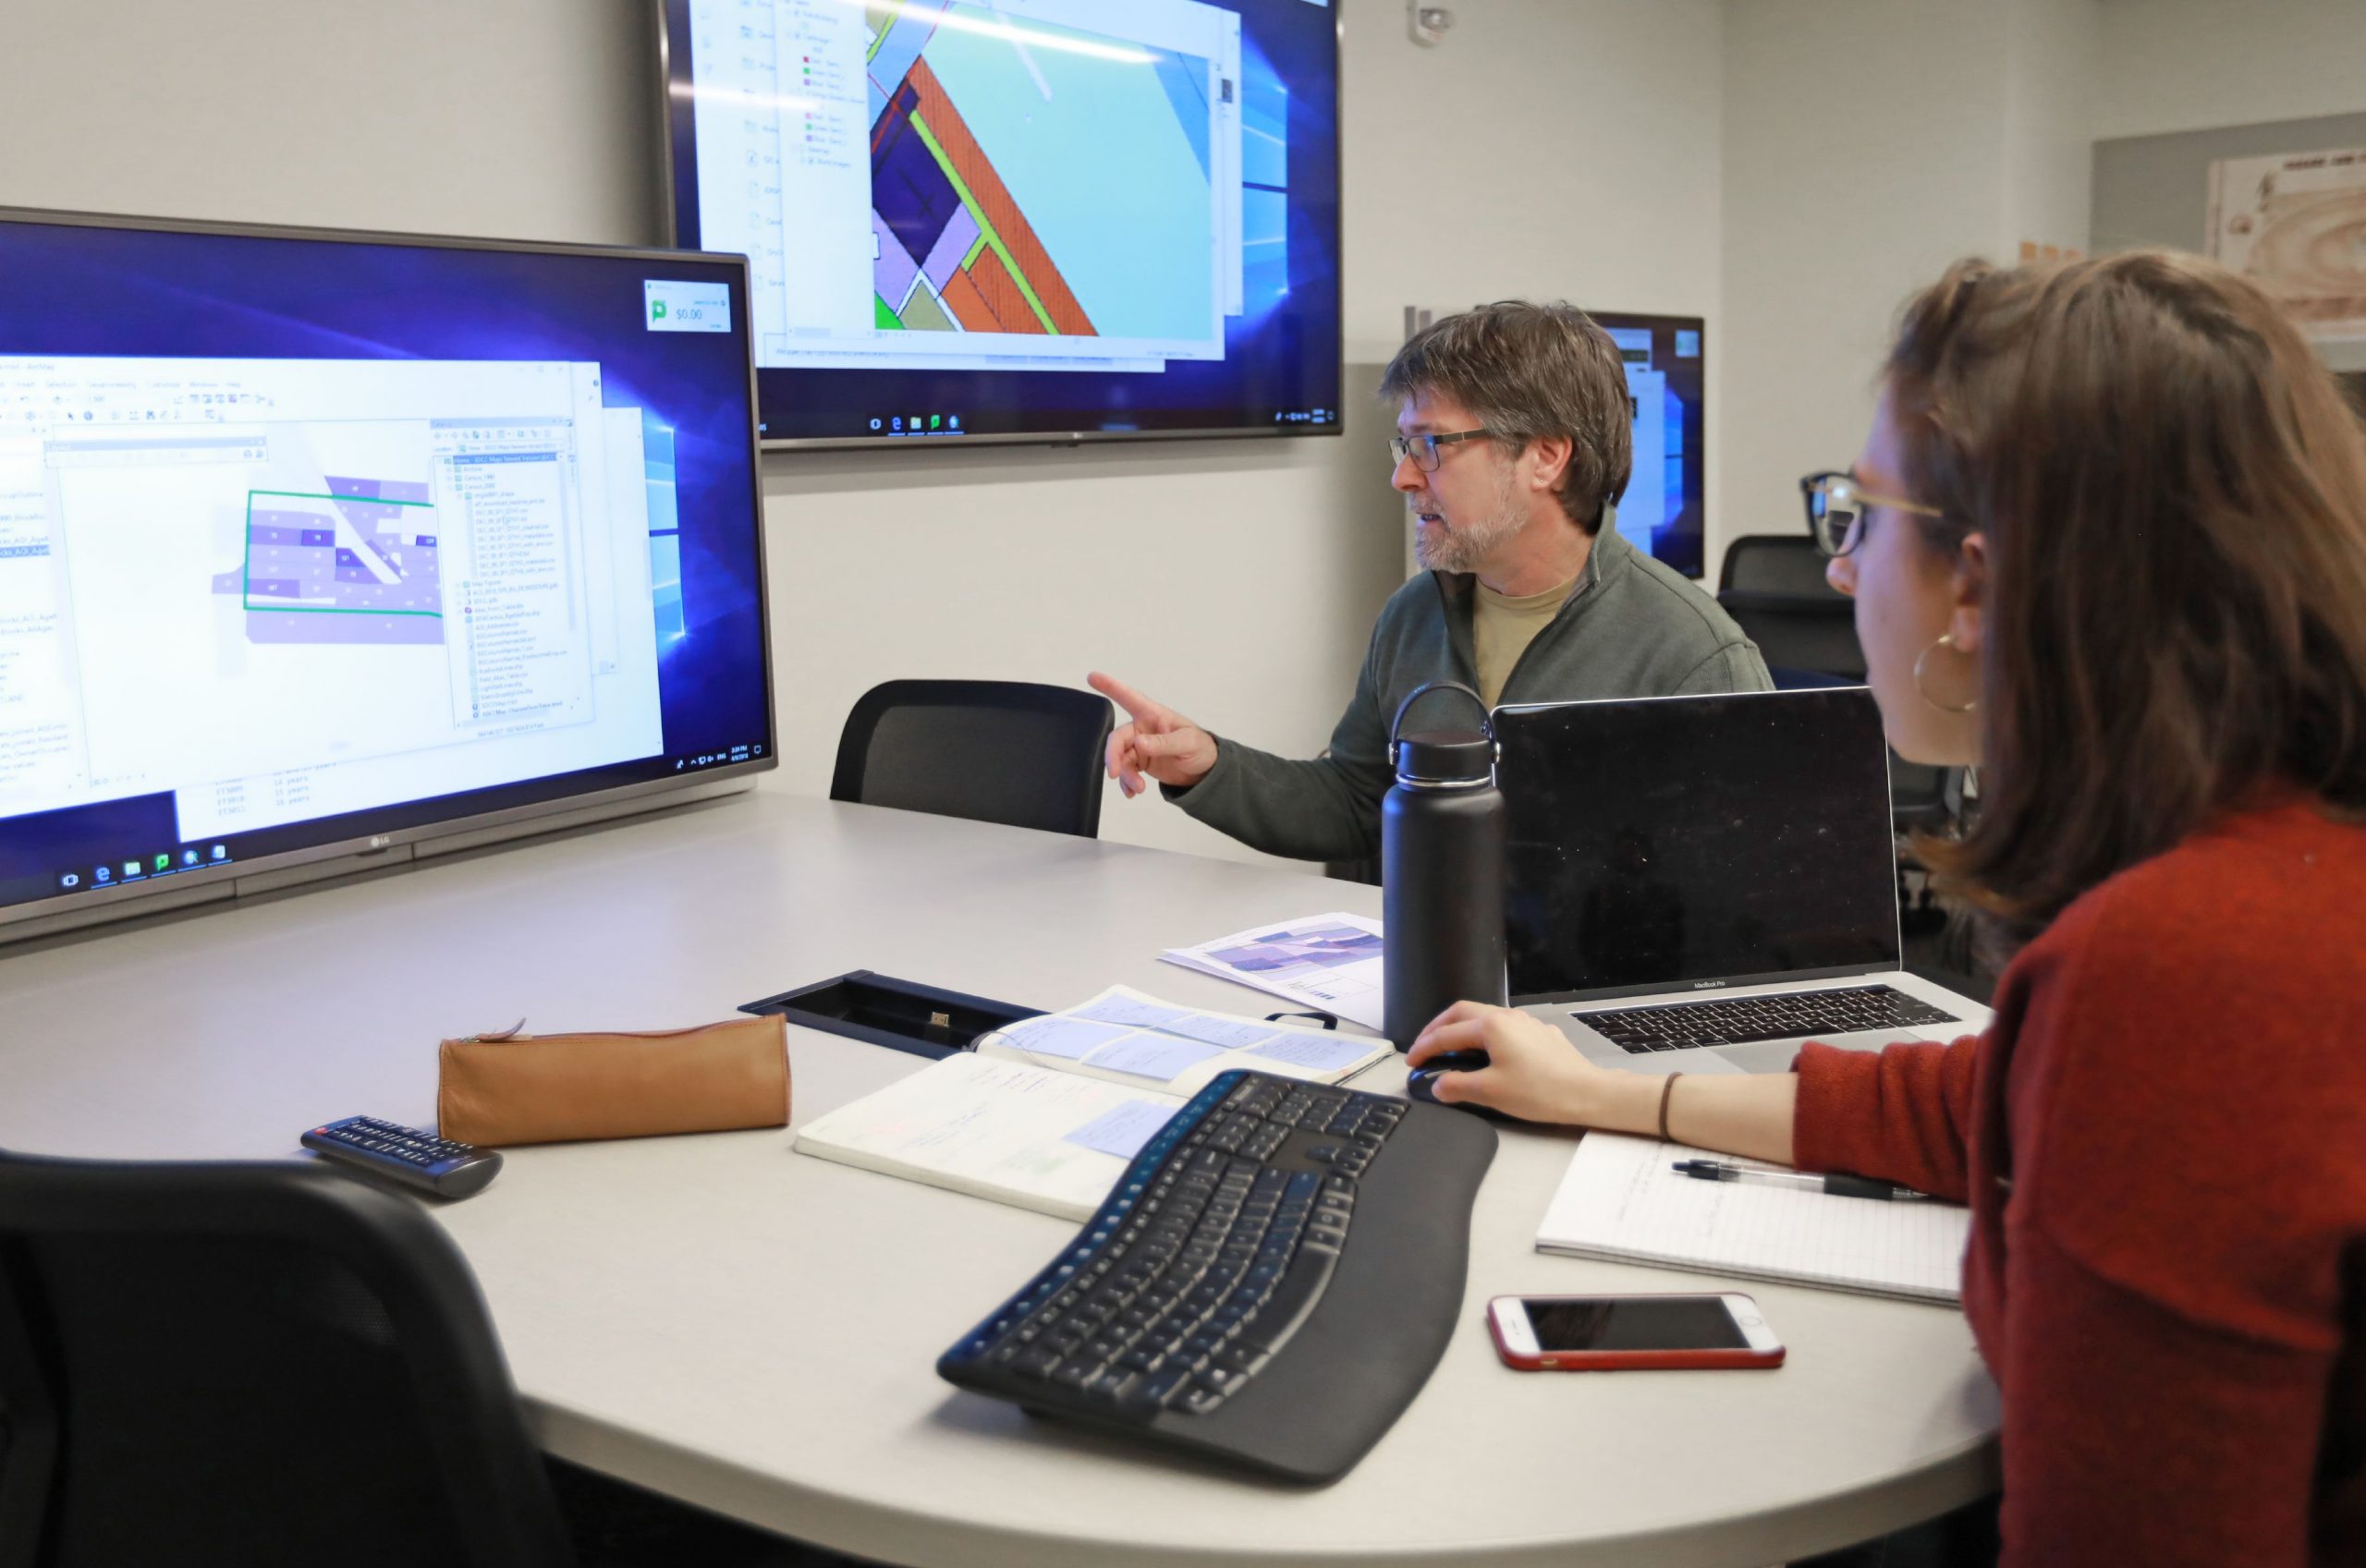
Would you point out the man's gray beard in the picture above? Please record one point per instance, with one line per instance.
(1461, 549)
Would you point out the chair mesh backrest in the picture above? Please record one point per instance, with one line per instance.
(226, 1388)
(995, 751)
(1774, 563)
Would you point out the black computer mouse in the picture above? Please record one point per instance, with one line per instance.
(1421, 1082)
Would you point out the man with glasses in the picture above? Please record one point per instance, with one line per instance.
(1513, 447)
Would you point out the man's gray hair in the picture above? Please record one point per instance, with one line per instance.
(1527, 370)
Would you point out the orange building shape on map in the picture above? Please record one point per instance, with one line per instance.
(983, 296)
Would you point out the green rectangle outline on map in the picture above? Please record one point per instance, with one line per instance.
(246, 565)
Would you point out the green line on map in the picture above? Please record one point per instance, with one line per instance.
(986, 225)
(247, 564)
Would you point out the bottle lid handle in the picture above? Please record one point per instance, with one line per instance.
(1486, 719)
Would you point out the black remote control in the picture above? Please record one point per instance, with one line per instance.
(407, 1155)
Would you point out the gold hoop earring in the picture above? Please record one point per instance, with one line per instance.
(1946, 641)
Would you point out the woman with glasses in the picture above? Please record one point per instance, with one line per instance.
(2107, 541)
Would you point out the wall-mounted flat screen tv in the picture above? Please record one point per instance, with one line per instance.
(1665, 513)
(1022, 220)
(319, 546)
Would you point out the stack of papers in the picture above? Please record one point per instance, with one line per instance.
(1330, 963)
(1129, 1037)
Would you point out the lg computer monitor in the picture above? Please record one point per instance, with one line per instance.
(1026, 220)
(1664, 511)
(323, 546)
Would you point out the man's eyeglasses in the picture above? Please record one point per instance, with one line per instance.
(1423, 449)
(1837, 506)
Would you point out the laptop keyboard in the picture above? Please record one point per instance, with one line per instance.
(1737, 1020)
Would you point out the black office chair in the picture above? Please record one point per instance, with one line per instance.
(1774, 562)
(278, 1364)
(256, 1363)
(1013, 752)
(1773, 586)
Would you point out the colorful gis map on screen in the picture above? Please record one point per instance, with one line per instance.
(355, 562)
(1038, 178)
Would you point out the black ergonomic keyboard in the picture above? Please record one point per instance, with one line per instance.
(1737, 1020)
(1270, 1282)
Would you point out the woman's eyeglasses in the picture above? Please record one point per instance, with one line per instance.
(1836, 505)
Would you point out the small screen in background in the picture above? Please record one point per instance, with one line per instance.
(1665, 510)
(1682, 1322)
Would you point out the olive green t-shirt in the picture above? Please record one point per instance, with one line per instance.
(1502, 627)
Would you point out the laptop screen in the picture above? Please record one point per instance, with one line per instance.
(1667, 843)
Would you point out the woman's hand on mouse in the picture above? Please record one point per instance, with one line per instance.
(1532, 1071)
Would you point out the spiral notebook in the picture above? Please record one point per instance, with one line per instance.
(1622, 1199)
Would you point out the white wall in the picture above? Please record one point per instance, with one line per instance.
(1868, 143)
(1564, 149)
(2194, 65)
(1862, 154)
(2052, 51)
(1559, 147)
(524, 119)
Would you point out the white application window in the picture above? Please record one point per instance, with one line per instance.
(37, 710)
(285, 588)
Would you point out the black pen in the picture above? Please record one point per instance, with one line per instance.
(1839, 1186)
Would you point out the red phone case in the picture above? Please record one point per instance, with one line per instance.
(1629, 1360)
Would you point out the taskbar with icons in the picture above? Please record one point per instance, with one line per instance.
(149, 865)
(144, 867)
(729, 755)
(916, 424)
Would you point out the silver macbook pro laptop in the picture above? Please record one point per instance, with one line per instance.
(1701, 883)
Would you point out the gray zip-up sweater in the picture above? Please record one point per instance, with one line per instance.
(1630, 627)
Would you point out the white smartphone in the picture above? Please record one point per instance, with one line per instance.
(1576, 1334)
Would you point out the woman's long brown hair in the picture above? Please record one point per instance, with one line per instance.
(2172, 493)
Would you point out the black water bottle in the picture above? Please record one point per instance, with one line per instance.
(1441, 872)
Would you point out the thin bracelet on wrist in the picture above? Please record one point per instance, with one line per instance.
(1668, 1092)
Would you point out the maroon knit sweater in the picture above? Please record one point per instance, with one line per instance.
(2163, 1140)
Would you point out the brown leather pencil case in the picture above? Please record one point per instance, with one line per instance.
(513, 1087)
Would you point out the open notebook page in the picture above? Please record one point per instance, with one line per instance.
(1621, 1198)
(1049, 1141)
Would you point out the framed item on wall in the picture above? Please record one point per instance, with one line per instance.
(2296, 223)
